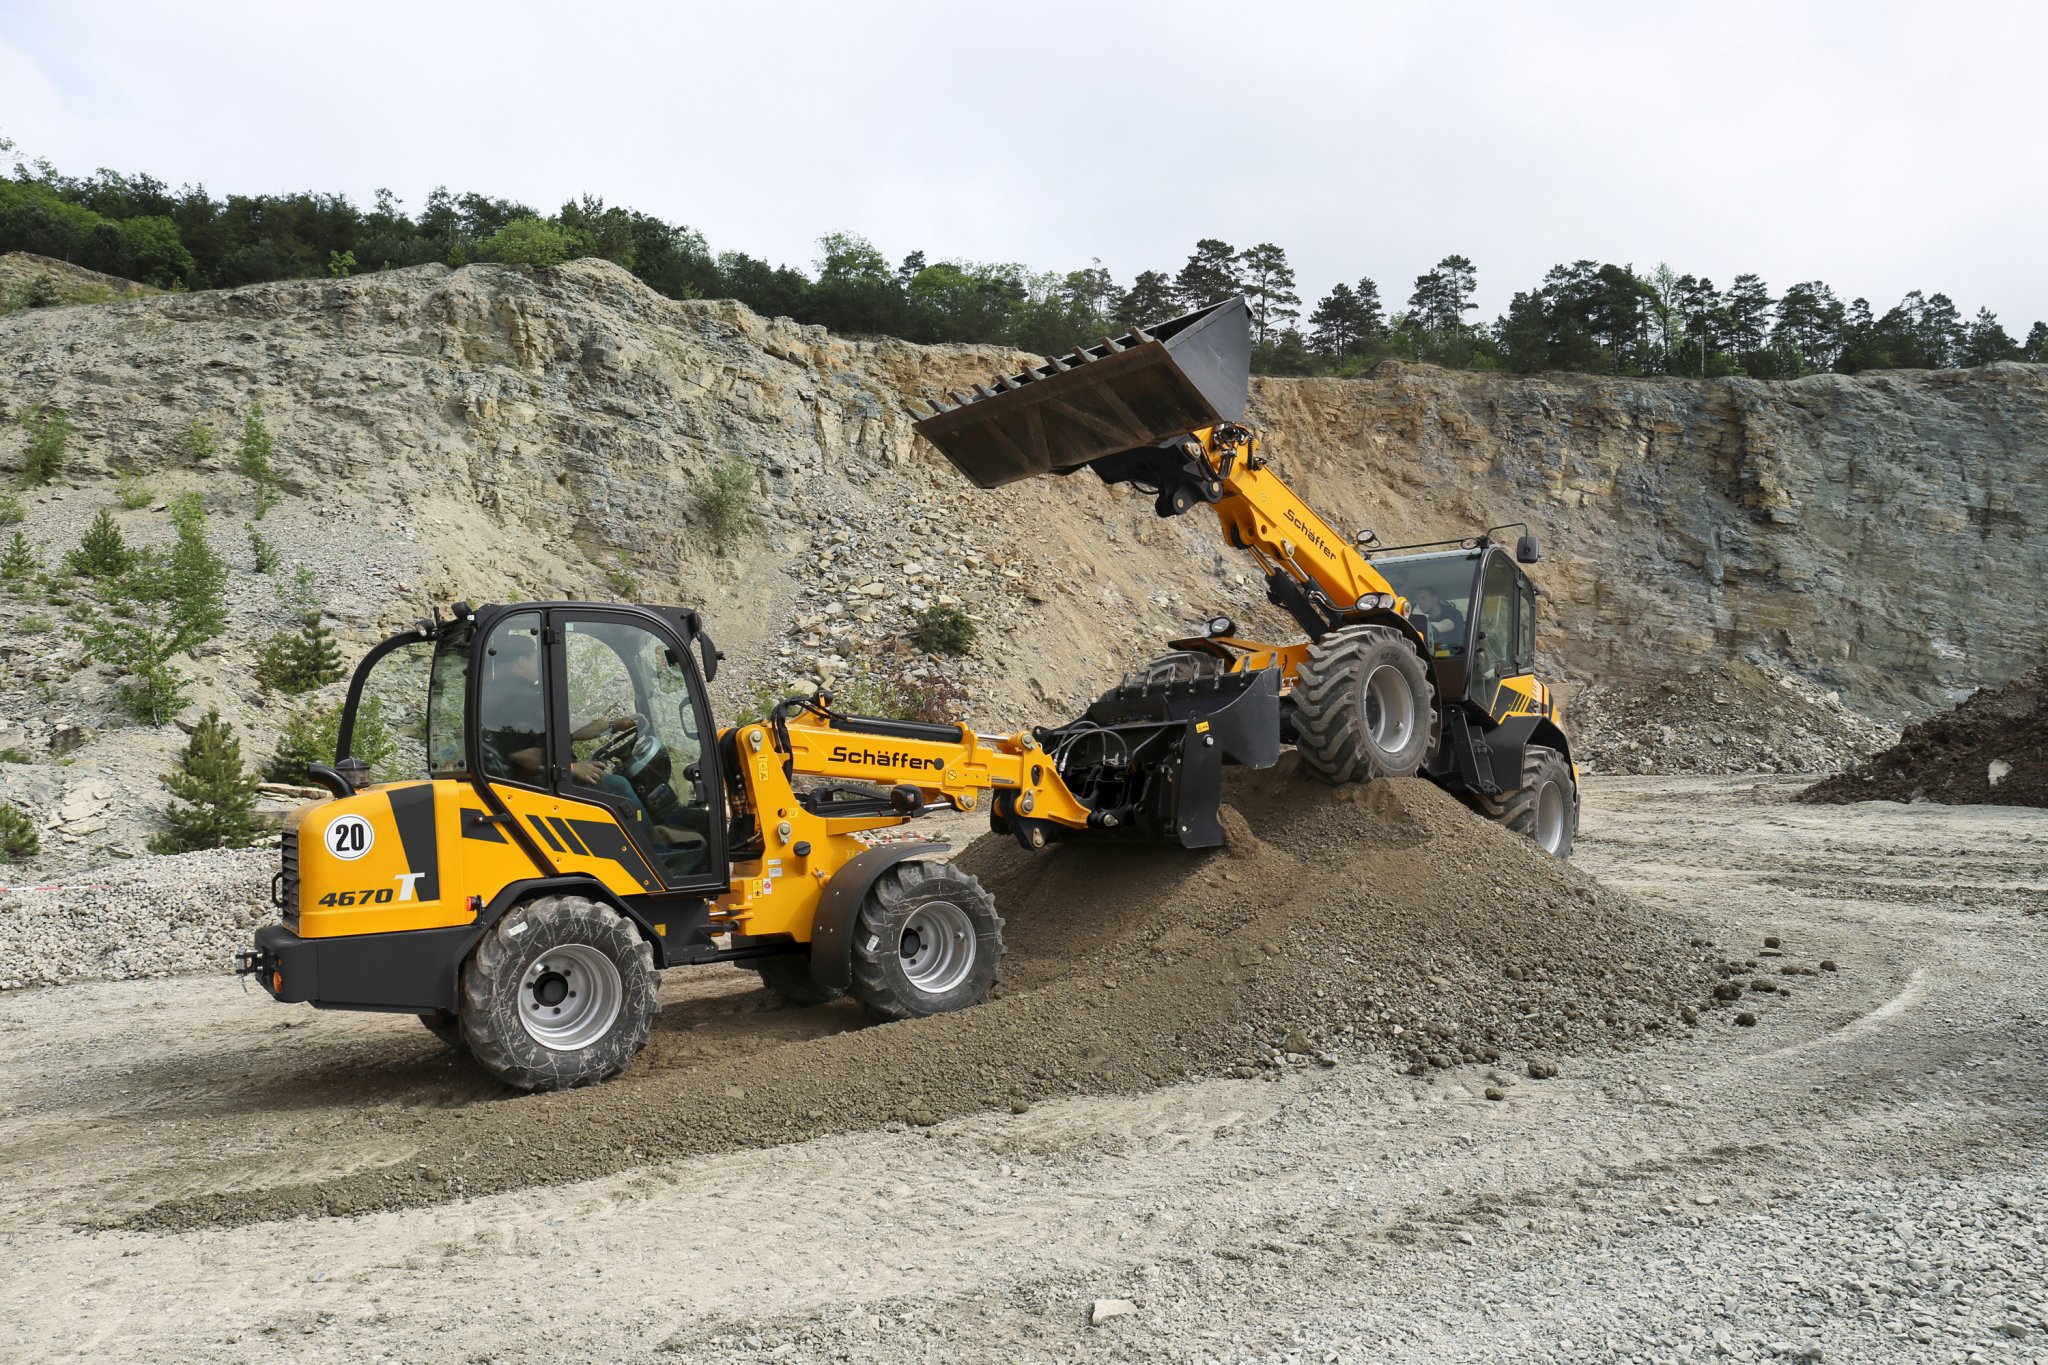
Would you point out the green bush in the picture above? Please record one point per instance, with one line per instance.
(102, 553)
(726, 504)
(13, 755)
(261, 550)
(623, 582)
(136, 635)
(48, 430)
(19, 564)
(133, 492)
(530, 241)
(294, 662)
(943, 630)
(198, 577)
(311, 734)
(253, 457)
(18, 838)
(34, 625)
(196, 444)
(214, 796)
(12, 513)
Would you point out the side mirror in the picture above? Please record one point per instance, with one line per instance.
(1527, 551)
(1221, 625)
(710, 654)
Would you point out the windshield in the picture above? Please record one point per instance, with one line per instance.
(446, 700)
(1437, 585)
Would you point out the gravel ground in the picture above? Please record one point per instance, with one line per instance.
(1861, 1169)
(155, 917)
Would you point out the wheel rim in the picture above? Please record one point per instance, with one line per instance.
(1389, 709)
(570, 997)
(937, 947)
(1550, 821)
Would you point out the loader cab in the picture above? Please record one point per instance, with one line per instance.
(1478, 615)
(585, 730)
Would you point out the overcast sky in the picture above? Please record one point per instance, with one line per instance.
(1878, 146)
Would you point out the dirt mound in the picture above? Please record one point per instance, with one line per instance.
(1990, 751)
(1373, 919)
(1739, 718)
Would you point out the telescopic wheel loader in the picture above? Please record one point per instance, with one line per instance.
(582, 822)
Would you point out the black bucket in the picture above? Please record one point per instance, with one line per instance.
(1150, 385)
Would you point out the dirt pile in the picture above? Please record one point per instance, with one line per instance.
(1736, 718)
(1990, 751)
(1347, 922)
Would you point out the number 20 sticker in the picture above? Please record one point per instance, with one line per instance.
(350, 837)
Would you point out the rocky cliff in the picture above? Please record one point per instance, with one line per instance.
(485, 433)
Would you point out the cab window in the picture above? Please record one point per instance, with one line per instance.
(1525, 628)
(511, 709)
(1497, 599)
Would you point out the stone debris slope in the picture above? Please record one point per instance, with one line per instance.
(1992, 750)
(1359, 921)
(1735, 718)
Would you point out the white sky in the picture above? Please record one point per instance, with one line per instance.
(1878, 146)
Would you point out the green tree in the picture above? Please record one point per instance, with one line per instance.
(198, 577)
(214, 797)
(341, 264)
(2036, 348)
(1985, 341)
(12, 513)
(262, 553)
(1346, 322)
(1268, 291)
(253, 457)
(20, 563)
(725, 504)
(313, 733)
(1150, 299)
(102, 552)
(1747, 312)
(530, 241)
(1809, 326)
(135, 635)
(943, 630)
(299, 661)
(1210, 275)
(48, 430)
(156, 254)
(19, 840)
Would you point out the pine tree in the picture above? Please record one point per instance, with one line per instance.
(2036, 348)
(1269, 291)
(19, 840)
(1747, 309)
(1338, 324)
(1210, 276)
(1986, 341)
(135, 637)
(20, 562)
(217, 795)
(253, 458)
(1809, 326)
(102, 553)
(1150, 299)
(299, 662)
(48, 430)
(198, 576)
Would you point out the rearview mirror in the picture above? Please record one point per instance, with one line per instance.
(1221, 625)
(1527, 551)
(710, 654)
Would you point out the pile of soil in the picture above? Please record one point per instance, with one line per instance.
(1990, 751)
(1738, 718)
(1364, 921)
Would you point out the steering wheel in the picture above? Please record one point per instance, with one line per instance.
(610, 750)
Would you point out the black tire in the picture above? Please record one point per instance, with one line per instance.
(1363, 706)
(1552, 823)
(445, 1025)
(900, 970)
(1183, 665)
(526, 969)
(787, 980)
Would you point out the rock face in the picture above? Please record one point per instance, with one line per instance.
(487, 432)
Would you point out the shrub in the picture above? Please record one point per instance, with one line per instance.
(48, 430)
(882, 688)
(136, 637)
(726, 504)
(196, 444)
(622, 580)
(133, 492)
(34, 625)
(253, 458)
(299, 662)
(261, 550)
(19, 564)
(311, 734)
(18, 838)
(530, 241)
(102, 553)
(214, 796)
(299, 595)
(943, 630)
(12, 513)
(198, 577)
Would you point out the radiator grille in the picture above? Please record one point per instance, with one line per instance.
(288, 883)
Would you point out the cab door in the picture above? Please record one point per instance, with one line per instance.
(1503, 650)
(631, 736)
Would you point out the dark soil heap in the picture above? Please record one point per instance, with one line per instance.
(1361, 920)
(1990, 751)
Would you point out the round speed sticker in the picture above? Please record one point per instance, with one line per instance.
(350, 837)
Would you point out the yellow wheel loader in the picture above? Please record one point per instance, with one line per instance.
(1418, 658)
(581, 824)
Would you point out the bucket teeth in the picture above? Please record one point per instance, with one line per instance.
(1109, 344)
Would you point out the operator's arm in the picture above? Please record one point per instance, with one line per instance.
(615, 724)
